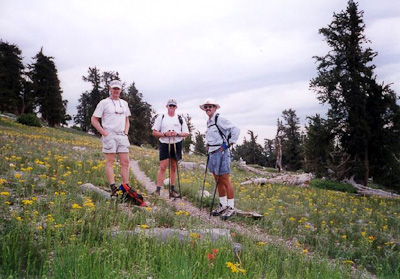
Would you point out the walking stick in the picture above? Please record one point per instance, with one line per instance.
(216, 184)
(169, 165)
(177, 169)
(204, 182)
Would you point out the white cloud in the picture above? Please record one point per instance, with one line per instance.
(255, 57)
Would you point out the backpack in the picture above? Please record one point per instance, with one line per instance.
(131, 196)
(179, 118)
(224, 138)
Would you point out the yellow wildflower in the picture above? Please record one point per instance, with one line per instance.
(76, 206)
(25, 202)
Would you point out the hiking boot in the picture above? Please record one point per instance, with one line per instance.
(174, 194)
(114, 190)
(157, 192)
(219, 210)
(229, 212)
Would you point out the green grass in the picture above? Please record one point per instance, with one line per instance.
(49, 229)
(326, 218)
(333, 185)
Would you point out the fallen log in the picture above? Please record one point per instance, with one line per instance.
(287, 179)
(364, 190)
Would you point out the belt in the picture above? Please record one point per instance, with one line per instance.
(215, 151)
(116, 133)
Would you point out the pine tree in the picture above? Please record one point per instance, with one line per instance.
(318, 146)
(269, 153)
(47, 90)
(250, 151)
(188, 141)
(200, 145)
(89, 99)
(347, 83)
(11, 79)
(141, 119)
(291, 143)
(82, 118)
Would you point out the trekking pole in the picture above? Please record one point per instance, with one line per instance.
(204, 182)
(177, 168)
(169, 166)
(216, 184)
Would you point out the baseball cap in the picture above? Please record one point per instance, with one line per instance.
(116, 83)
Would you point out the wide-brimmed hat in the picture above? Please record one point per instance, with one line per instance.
(116, 83)
(172, 102)
(209, 101)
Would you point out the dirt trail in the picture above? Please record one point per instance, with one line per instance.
(214, 222)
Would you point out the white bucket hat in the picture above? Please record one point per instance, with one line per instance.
(209, 101)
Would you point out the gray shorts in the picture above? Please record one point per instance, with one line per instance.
(115, 144)
(216, 166)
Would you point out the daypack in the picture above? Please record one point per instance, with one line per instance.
(179, 118)
(130, 195)
(224, 138)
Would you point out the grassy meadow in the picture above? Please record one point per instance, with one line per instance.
(50, 229)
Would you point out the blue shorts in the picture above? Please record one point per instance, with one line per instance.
(219, 162)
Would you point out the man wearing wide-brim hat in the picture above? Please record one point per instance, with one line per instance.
(221, 134)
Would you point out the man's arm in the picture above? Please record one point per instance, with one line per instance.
(126, 130)
(232, 129)
(96, 124)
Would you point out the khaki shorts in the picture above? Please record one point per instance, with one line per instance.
(115, 144)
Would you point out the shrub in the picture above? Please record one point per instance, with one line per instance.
(29, 119)
(332, 185)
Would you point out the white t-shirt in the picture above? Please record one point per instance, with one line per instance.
(170, 123)
(113, 114)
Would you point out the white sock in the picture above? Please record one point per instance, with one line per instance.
(231, 203)
(223, 201)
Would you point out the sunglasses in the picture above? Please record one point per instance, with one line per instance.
(208, 106)
(172, 106)
(115, 107)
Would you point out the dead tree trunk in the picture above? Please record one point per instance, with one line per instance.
(278, 147)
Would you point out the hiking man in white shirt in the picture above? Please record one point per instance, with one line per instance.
(114, 113)
(171, 129)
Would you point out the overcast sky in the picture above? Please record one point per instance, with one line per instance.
(254, 57)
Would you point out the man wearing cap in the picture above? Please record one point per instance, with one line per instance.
(171, 129)
(114, 113)
(220, 135)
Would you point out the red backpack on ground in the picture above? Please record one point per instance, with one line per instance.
(131, 195)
